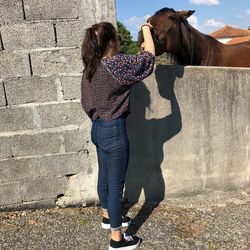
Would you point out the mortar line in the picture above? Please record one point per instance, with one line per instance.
(42, 131)
(43, 49)
(76, 153)
(1, 41)
(60, 93)
(24, 14)
(43, 103)
(5, 94)
(36, 118)
(55, 33)
(62, 140)
(31, 70)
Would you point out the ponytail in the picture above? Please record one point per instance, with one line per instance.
(95, 44)
(90, 53)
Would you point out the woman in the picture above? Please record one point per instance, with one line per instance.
(105, 87)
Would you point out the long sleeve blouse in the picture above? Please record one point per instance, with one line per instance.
(107, 95)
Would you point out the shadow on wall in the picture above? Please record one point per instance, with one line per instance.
(147, 138)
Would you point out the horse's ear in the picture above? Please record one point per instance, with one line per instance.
(186, 13)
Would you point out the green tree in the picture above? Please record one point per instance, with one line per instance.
(128, 46)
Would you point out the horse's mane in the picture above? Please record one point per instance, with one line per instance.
(164, 10)
(187, 36)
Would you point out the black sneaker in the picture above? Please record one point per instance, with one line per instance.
(106, 222)
(126, 243)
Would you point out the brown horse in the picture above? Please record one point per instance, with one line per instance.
(173, 34)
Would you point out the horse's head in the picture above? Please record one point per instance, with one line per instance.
(166, 32)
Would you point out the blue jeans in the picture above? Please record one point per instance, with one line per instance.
(112, 146)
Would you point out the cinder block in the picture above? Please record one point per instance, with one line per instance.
(12, 119)
(50, 9)
(14, 65)
(56, 115)
(28, 35)
(37, 144)
(43, 188)
(69, 33)
(10, 10)
(56, 62)
(5, 147)
(98, 11)
(71, 87)
(30, 89)
(10, 193)
(2, 96)
(77, 140)
(45, 166)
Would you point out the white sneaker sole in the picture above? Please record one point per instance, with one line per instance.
(126, 248)
(124, 224)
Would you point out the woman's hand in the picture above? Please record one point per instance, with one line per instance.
(147, 24)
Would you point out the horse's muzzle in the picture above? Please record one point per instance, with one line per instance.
(158, 47)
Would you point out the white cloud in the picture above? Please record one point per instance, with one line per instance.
(193, 20)
(248, 12)
(134, 23)
(214, 23)
(205, 2)
(206, 27)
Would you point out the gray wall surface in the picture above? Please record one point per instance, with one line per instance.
(189, 128)
(189, 132)
(44, 133)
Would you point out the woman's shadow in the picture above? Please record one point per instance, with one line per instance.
(147, 138)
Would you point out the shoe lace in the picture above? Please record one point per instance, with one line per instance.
(128, 237)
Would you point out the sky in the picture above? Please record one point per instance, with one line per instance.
(209, 16)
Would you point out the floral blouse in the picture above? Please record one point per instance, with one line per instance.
(107, 95)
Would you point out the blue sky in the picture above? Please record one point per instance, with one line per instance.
(210, 15)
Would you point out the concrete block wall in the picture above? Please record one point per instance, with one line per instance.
(45, 147)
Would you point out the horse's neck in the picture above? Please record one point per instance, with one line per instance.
(204, 48)
(212, 50)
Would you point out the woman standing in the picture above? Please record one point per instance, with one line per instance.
(105, 88)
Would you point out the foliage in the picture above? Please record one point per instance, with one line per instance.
(128, 46)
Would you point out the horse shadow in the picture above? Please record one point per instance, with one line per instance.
(147, 138)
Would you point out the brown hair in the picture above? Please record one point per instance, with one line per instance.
(94, 46)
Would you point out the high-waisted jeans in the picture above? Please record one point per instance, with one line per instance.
(112, 146)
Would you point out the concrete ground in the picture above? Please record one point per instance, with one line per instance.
(217, 221)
